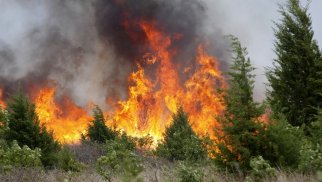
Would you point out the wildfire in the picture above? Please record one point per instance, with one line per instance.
(2, 103)
(151, 103)
(151, 99)
(67, 120)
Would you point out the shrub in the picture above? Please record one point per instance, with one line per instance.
(310, 157)
(15, 156)
(189, 173)
(180, 141)
(25, 128)
(261, 168)
(67, 161)
(282, 143)
(97, 131)
(120, 159)
(311, 150)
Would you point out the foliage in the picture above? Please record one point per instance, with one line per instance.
(120, 159)
(282, 143)
(15, 156)
(189, 173)
(311, 157)
(296, 78)
(67, 161)
(239, 137)
(25, 128)
(261, 168)
(4, 117)
(97, 131)
(144, 142)
(311, 150)
(180, 141)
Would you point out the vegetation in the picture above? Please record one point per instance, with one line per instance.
(296, 78)
(241, 128)
(16, 156)
(120, 159)
(24, 127)
(180, 141)
(97, 131)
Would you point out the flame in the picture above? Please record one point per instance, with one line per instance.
(152, 99)
(67, 121)
(151, 103)
(2, 103)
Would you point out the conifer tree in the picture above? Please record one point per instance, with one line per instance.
(240, 128)
(296, 78)
(97, 130)
(25, 128)
(180, 141)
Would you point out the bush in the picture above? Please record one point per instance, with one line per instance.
(189, 173)
(67, 161)
(310, 157)
(97, 131)
(180, 141)
(15, 156)
(120, 159)
(24, 127)
(282, 143)
(261, 168)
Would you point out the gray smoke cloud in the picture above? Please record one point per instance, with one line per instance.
(85, 49)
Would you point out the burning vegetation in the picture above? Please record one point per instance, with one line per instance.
(171, 67)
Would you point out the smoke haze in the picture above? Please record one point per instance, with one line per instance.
(86, 48)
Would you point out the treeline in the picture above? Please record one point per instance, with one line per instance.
(290, 139)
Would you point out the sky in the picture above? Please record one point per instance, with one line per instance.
(252, 22)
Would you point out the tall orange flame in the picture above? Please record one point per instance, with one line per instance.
(151, 103)
(67, 123)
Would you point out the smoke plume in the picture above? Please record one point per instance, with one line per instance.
(88, 48)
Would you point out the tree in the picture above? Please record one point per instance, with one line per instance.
(180, 141)
(240, 130)
(296, 77)
(25, 128)
(97, 130)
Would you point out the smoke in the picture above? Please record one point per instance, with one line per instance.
(87, 48)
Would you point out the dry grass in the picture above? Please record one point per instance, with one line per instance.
(157, 172)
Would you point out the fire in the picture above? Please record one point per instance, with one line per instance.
(152, 99)
(67, 121)
(2, 103)
(151, 103)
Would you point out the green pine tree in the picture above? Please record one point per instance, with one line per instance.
(296, 78)
(25, 128)
(97, 130)
(180, 141)
(240, 130)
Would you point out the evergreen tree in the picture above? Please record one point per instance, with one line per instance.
(24, 127)
(180, 141)
(97, 130)
(240, 127)
(296, 78)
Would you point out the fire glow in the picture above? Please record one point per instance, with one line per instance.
(151, 100)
